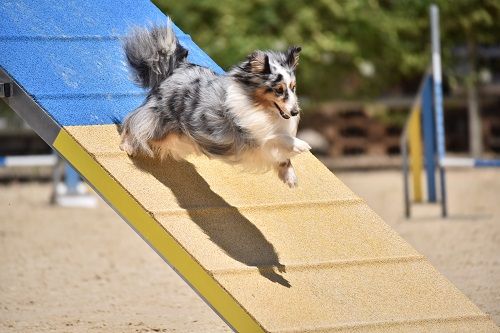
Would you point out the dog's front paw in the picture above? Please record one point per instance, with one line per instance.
(300, 146)
(288, 177)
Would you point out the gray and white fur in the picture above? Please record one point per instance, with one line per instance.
(248, 116)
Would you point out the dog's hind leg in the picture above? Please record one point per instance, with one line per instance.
(139, 128)
(126, 145)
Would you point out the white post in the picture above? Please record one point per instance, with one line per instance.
(438, 102)
(437, 77)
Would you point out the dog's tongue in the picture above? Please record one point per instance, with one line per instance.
(284, 115)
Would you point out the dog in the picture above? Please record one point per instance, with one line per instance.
(248, 116)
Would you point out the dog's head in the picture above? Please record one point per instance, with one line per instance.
(269, 78)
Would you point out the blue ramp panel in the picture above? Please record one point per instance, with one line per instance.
(79, 63)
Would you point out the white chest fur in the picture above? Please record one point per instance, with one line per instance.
(262, 123)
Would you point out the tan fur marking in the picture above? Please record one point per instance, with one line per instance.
(267, 99)
(263, 97)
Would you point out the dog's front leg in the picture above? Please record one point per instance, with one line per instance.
(282, 148)
(286, 173)
(285, 146)
(299, 146)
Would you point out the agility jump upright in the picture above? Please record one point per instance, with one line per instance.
(426, 123)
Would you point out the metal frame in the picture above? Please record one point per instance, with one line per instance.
(45, 126)
(24, 105)
(5, 89)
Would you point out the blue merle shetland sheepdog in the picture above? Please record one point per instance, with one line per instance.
(248, 116)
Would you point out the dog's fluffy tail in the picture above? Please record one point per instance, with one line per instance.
(153, 54)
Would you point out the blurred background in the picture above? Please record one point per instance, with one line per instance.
(360, 70)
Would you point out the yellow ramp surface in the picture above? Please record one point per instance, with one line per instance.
(269, 258)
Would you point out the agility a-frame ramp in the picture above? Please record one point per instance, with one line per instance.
(264, 257)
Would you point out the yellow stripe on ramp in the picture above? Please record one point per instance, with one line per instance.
(269, 258)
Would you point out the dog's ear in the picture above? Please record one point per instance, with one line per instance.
(258, 63)
(292, 56)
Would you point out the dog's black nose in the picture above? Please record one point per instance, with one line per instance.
(294, 112)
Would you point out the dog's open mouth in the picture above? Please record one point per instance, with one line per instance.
(282, 113)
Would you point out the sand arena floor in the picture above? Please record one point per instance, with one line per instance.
(81, 270)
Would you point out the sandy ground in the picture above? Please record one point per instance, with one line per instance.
(84, 270)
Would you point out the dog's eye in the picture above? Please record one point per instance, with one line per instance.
(292, 87)
(279, 90)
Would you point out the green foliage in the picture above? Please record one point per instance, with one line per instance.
(340, 38)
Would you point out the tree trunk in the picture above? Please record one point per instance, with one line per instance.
(475, 133)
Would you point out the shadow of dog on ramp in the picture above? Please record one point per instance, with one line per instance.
(237, 236)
